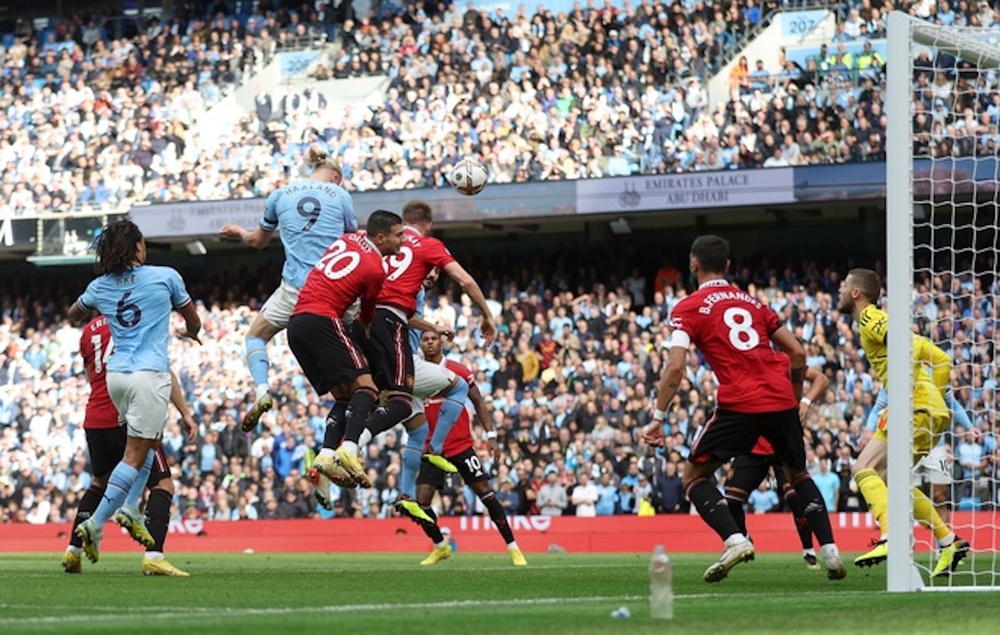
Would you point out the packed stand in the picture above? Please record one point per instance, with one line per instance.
(536, 95)
(568, 383)
(89, 118)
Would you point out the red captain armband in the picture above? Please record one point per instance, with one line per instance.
(798, 375)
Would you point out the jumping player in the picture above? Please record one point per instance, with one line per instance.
(351, 269)
(311, 213)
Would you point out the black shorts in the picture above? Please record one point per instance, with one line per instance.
(728, 434)
(748, 470)
(390, 342)
(327, 353)
(107, 447)
(470, 468)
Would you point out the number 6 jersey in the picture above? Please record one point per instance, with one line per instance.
(351, 268)
(732, 330)
(137, 304)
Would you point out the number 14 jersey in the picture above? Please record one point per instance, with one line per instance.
(732, 330)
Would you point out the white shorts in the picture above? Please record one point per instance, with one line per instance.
(280, 305)
(141, 399)
(428, 380)
(934, 466)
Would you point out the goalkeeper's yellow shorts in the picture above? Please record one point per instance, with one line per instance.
(927, 430)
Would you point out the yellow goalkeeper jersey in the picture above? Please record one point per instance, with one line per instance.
(928, 390)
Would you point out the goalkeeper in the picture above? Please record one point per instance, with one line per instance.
(858, 293)
(934, 465)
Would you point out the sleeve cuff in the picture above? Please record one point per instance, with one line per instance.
(182, 304)
(680, 338)
(81, 305)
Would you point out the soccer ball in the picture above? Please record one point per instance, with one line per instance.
(468, 177)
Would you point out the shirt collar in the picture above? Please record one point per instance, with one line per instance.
(719, 282)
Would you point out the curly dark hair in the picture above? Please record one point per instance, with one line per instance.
(117, 247)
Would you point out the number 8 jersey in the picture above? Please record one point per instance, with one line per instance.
(351, 268)
(732, 330)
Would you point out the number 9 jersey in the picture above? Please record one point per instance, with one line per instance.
(732, 330)
(311, 214)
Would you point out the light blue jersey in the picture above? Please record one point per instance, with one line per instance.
(311, 214)
(416, 334)
(137, 304)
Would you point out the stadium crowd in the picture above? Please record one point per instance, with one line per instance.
(568, 384)
(598, 92)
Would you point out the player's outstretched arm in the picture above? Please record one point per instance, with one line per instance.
(421, 324)
(787, 342)
(257, 239)
(469, 286)
(937, 359)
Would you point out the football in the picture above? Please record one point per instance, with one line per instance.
(468, 177)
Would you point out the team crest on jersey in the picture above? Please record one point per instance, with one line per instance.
(409, 381)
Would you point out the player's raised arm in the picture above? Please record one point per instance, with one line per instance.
(787, 342)
(470, 287)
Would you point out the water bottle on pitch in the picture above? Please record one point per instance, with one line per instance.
(661, 591)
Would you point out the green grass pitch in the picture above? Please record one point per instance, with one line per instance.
(478, 594)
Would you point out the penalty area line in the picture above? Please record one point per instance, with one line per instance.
(198, 613)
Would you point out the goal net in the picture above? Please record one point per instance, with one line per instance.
(942, 244)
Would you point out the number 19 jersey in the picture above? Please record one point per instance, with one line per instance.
(311, 214)
(732, 330)
(407, 269)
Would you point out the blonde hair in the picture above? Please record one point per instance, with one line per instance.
(317, 159)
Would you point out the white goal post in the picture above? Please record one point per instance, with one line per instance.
(944, 192)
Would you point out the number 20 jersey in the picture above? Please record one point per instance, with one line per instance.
(351, 268)
(407, 269)
(732, 330)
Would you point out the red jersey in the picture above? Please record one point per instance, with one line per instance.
(732, 329)
(96, 346)
(459, 439)
(407, 269)
(351, 268)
